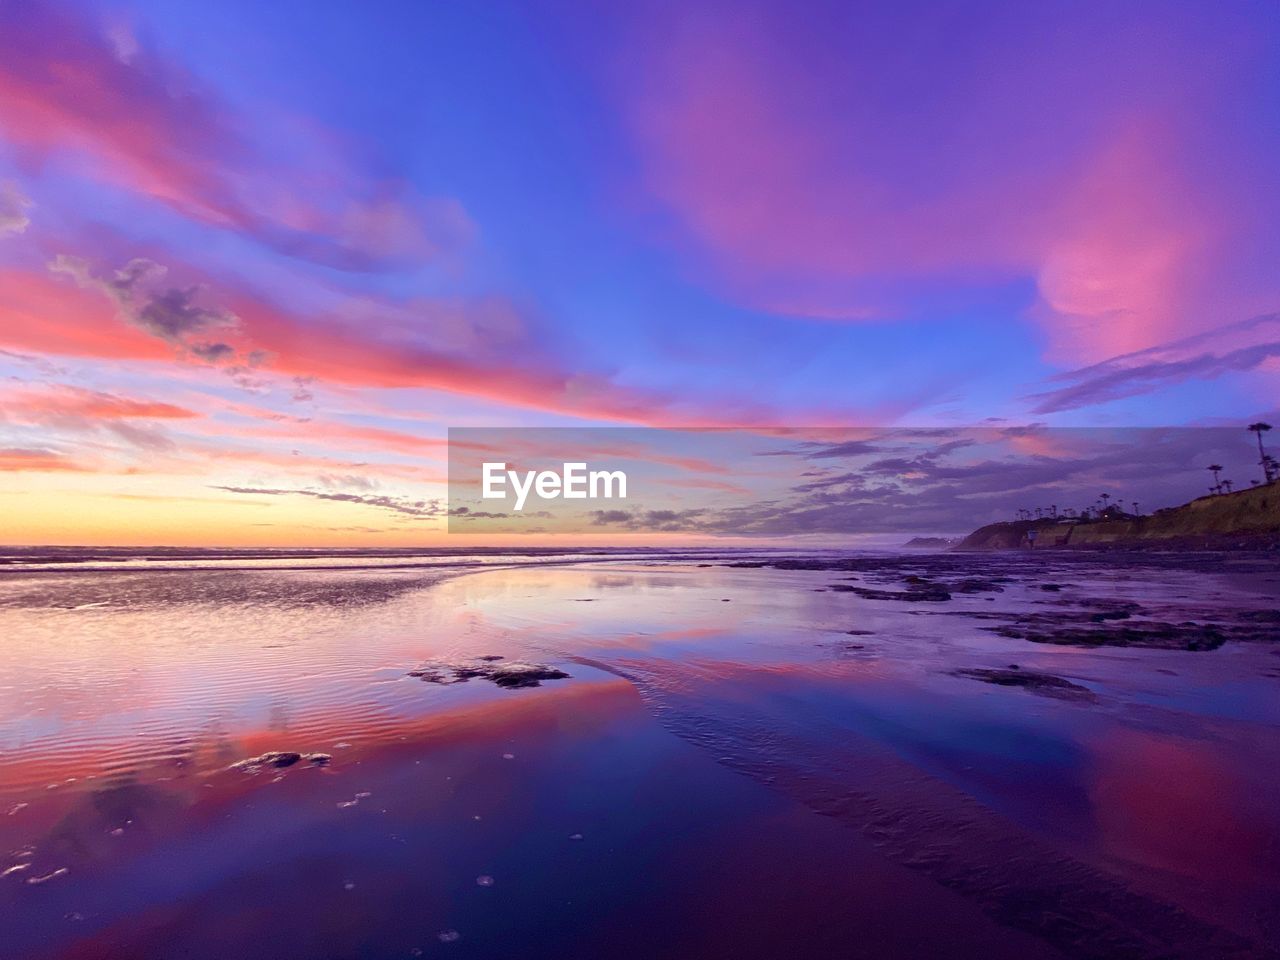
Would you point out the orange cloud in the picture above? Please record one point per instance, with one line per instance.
(80, 316)
(359, 436)
(16, 459)
(45, 315)
(67, 401)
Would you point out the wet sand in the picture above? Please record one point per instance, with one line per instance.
(742, 761)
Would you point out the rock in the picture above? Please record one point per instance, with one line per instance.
(1162, 636)
(1105, 615)
(925, 594)
(1042, 683)
(319, 759)
(510, 674)
(272, 758)
(435, 675)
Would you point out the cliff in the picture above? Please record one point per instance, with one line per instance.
(1247, 519)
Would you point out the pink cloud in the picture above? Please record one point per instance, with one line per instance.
(40, 313)
(215, 449)
(17, 459)
(140, 123)
(519, 373)
(60, 402)
(353, 435)
(175, 313)
(812, 168)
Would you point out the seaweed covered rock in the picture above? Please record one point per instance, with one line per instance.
(1042, 683)
(279, 759)
(1045, 684)
(928, 593)
(511, 674)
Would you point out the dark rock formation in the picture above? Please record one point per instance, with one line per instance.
(279, 759)
(928, 594)
(511, 674)
(1042, 683)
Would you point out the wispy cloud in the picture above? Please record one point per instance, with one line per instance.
(71, 410)
(170, 313)
(143, 123)
(15, 459)
(401, 505)
(14, 205)
(797, 182)
(1201, 357)
(56, 402)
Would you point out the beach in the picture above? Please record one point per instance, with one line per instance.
(721, 755)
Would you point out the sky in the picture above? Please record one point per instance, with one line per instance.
(257, 259)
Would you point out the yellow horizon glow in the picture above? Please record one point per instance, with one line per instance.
(97, 510)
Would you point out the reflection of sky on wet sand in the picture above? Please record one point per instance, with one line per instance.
(573, 800)
(115, 753)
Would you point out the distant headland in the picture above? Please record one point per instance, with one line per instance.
(931, 543)
(1244, 520)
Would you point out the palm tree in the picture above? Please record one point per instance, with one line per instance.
(1215, 469)
(1105, 498)
(1227, 485)
(1136, 511)
(1260, 428)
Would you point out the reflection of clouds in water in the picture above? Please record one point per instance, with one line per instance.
(648, 581)
(604, 581)
(279, 717)
(173, 685)
(1186, 804)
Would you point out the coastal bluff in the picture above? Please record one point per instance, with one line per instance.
(1246, 519)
